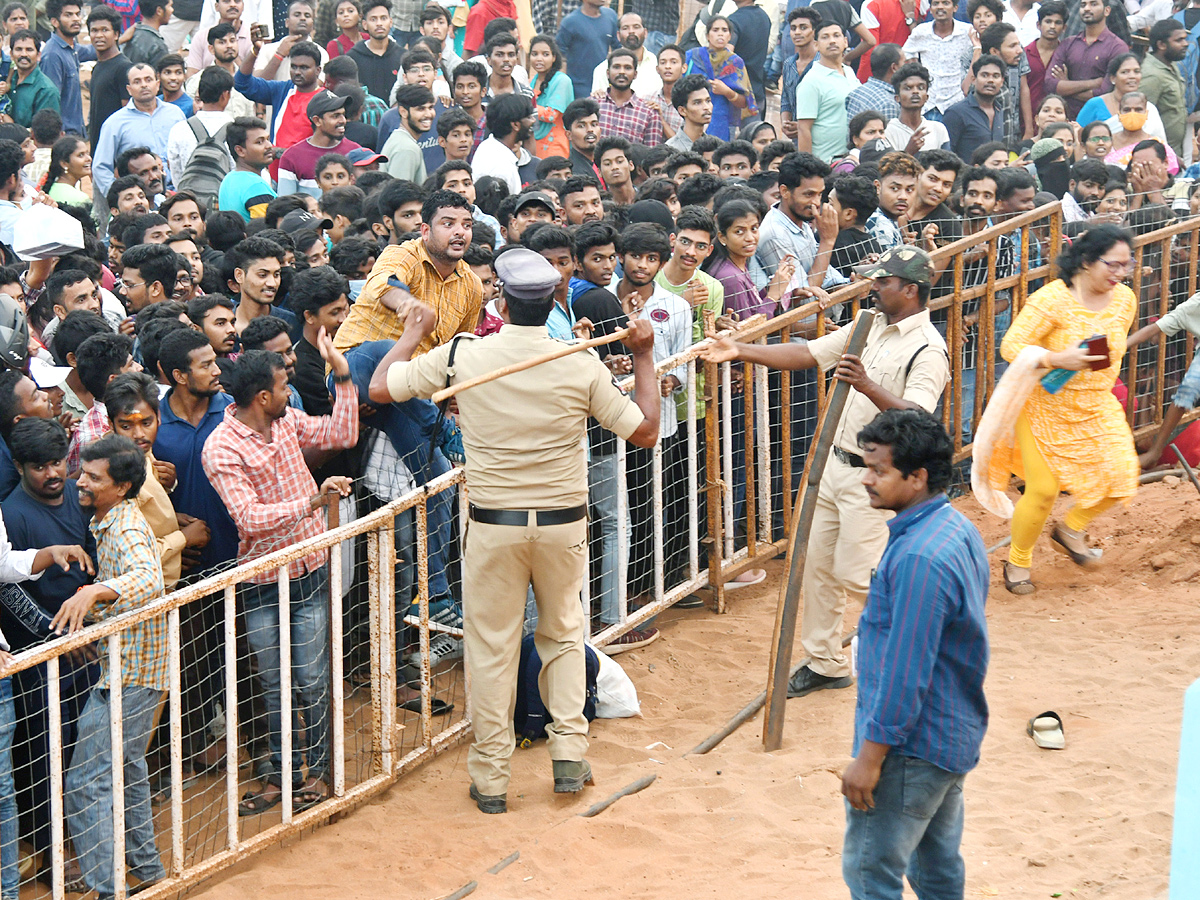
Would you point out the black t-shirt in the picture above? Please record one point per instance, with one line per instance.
(751, 35)
(309, 380)
(949, 225)
(109, 93)
(362, 134)
(377, 73)
(852, 247)
(605, 313)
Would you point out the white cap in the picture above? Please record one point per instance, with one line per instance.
(45, 375)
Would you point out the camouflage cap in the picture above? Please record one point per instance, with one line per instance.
(910, 263)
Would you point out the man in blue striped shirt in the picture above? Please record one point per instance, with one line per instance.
(922, 656)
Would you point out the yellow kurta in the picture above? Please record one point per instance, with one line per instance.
(1081, 431)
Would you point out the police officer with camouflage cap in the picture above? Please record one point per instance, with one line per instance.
(526, 475)
(904, 365)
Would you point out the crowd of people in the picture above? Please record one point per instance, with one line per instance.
(263, 189)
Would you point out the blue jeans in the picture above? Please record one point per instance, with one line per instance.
(1187, 395)
(10, 877)
(602, 499)
(915, 829)
(656, 40)
(88, 791)
(409, 426)
(309, 619)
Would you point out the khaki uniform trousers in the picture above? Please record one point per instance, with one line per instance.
(500, 562)
(846, 543)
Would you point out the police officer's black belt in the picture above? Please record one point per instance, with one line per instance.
(851, 459)
(520, 517)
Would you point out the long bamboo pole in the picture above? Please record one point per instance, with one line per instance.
(785, 616)
(524, 364)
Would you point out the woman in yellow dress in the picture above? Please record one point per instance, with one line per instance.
(1077, 439)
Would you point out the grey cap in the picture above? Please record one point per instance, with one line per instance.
(532, 197)
(299, 219)
(324, 102)
(526, 275)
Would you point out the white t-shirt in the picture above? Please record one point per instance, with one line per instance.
(495, 159)
(897, 134)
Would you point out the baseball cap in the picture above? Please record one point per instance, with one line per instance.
(532, 197)
(653, 211)
(361, 156)
(45, 375)
(325, 101)
(910, 263)
(299, 219)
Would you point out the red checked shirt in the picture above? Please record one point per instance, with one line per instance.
(266, 485)
(632, 120)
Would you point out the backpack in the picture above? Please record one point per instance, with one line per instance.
(207, 166)
(530, 717)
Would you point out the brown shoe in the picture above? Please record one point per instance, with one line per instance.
(631, 640)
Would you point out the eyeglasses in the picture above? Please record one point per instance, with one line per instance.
(132, 284)
(1118, 267)
(1099, 139)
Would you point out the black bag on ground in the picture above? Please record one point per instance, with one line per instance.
(530, 717)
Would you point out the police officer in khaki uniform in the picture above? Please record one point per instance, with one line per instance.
(904, 366)
(526, 477)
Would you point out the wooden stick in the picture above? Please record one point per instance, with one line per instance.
(511, 858)
(463, 891)
(640, 785)
(785, 615)
(524, 364)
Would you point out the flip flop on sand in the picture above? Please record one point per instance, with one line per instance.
(1047, 731)
(747, 578)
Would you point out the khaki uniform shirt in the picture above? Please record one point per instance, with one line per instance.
(886, 357)
(523, 433)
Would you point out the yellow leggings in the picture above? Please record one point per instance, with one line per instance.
(1041, 490)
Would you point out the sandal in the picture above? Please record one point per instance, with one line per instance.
(437, 706)
(1021, 586)
(256, 802)
(309, 795)
(1087, 558)
(746, 579)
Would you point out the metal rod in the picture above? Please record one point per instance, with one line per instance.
(57, 851)
(231, 720)
(174, 704)
(285, 689)
(117, 747)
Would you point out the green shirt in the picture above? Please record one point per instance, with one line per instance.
(1163, 86)
(34, 93)
(821, 97)
(715, 303)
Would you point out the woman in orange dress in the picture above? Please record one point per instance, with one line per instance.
(1077, 439)
(552, 93)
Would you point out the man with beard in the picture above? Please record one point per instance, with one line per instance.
(42, 511)
(1084, 190)
(621, 112)
(272, 61)
(213, 314)
(979, 119)
(433, 269)
(244, 190)
(896, 184)
(581, 118)
(188, 414)
(145, 121)
(1161, 82)
(254, 266)
(255, 461)
(510, 121)
(146, 167)
(290, 121)
(903, 366)
(1080, 63)
(580, 199)
(939, 171)
(326, 112)
(692, 99)
(632, 36)
(800, 226)
(223, 45)
(220, 12)
(61, 58)
(405, 158)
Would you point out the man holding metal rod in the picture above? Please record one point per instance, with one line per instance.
(904, 366)
(526, 475)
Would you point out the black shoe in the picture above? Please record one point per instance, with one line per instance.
(571, 776)
(492, 804)
(806, 681)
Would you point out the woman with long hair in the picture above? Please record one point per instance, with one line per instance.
(1076, 438)
(342, 21)
(1125, 73)
(552, 92)
(737, 239)
(70, 163)
(1052, 109)
(866, 126)
(732, 98)
(759, 134)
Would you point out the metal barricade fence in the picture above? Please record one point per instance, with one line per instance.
(709, 502)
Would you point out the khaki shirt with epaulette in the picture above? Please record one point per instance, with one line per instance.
(524, 433)
(907, 359)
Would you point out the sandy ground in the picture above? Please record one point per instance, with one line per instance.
(1112, 651)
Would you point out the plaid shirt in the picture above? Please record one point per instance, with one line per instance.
(632, 120)
(373, 110)
(127, 562)
(658, 15)
(875, 95)
(267, 486)
(456, 299)
(93, 427)
(670, 115)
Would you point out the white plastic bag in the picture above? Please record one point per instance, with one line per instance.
(42, 232)
(616, 697)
